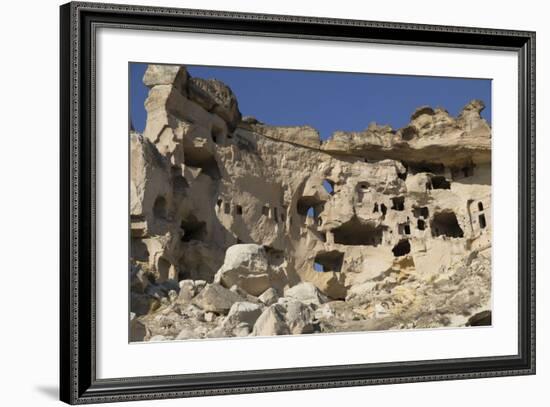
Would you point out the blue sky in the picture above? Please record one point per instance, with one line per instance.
(328, 101)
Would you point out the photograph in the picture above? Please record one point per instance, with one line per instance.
(256, 201)
(269, 202)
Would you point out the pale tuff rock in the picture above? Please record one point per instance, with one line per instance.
(306, 293)
(187, 290)
(299, 317)
(243, 312)
(368, 230)
(271, 322)
(269, 296)
(216, 97)
(215, 298)
(246, 266)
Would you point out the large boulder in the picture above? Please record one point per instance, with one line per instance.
(216, 298)
(271, 322)
(307, 293)
(187, 290)
(269, 296)
(245, 266)
(298, 316)
(243, 312)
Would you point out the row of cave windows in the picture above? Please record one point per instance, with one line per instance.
(445, 224)
(332, 261)
(238, 210)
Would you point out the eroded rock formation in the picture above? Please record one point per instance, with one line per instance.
(241, 228)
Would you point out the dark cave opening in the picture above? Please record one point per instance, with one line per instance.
(433, 168)
(398, 203)
(329, 261)
(446, 224)
(159, 207)
(402, 248)
(357, 233)
(421, 212)
(482, 221)
(309, 206)
(440, 182)
(193, 229)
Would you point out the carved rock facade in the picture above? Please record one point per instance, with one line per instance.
(380, 228)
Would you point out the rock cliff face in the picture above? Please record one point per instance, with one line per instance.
(241, 228)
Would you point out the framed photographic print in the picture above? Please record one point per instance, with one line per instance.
(256, 203)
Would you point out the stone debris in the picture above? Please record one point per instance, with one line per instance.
(239, 228)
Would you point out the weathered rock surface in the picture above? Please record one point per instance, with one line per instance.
(269, 296)
(306, 293)
(431, 133)
(246, 266)
(243, 312)
(271, 322)
(215, 298)
(239, 228)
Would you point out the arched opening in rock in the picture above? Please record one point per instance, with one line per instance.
(357, 233)
(468, 171)
(329, 261)
(408, 133)
(329, 186)
(192, 229)
(440, 182)
(265, 210)
(363, 186)
(482, 221)
(217, 135)
(422, 110)
(159, 207)
(238, 210)
(402, 248)
(163, 268)
(383, 209)
(446, 224)
(375, 209)
(420, 224)
(433, 168)
(480, 206)
(309, 206)
(398, 203)
(206, 162)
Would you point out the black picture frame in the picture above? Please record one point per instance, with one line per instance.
(78, 382)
